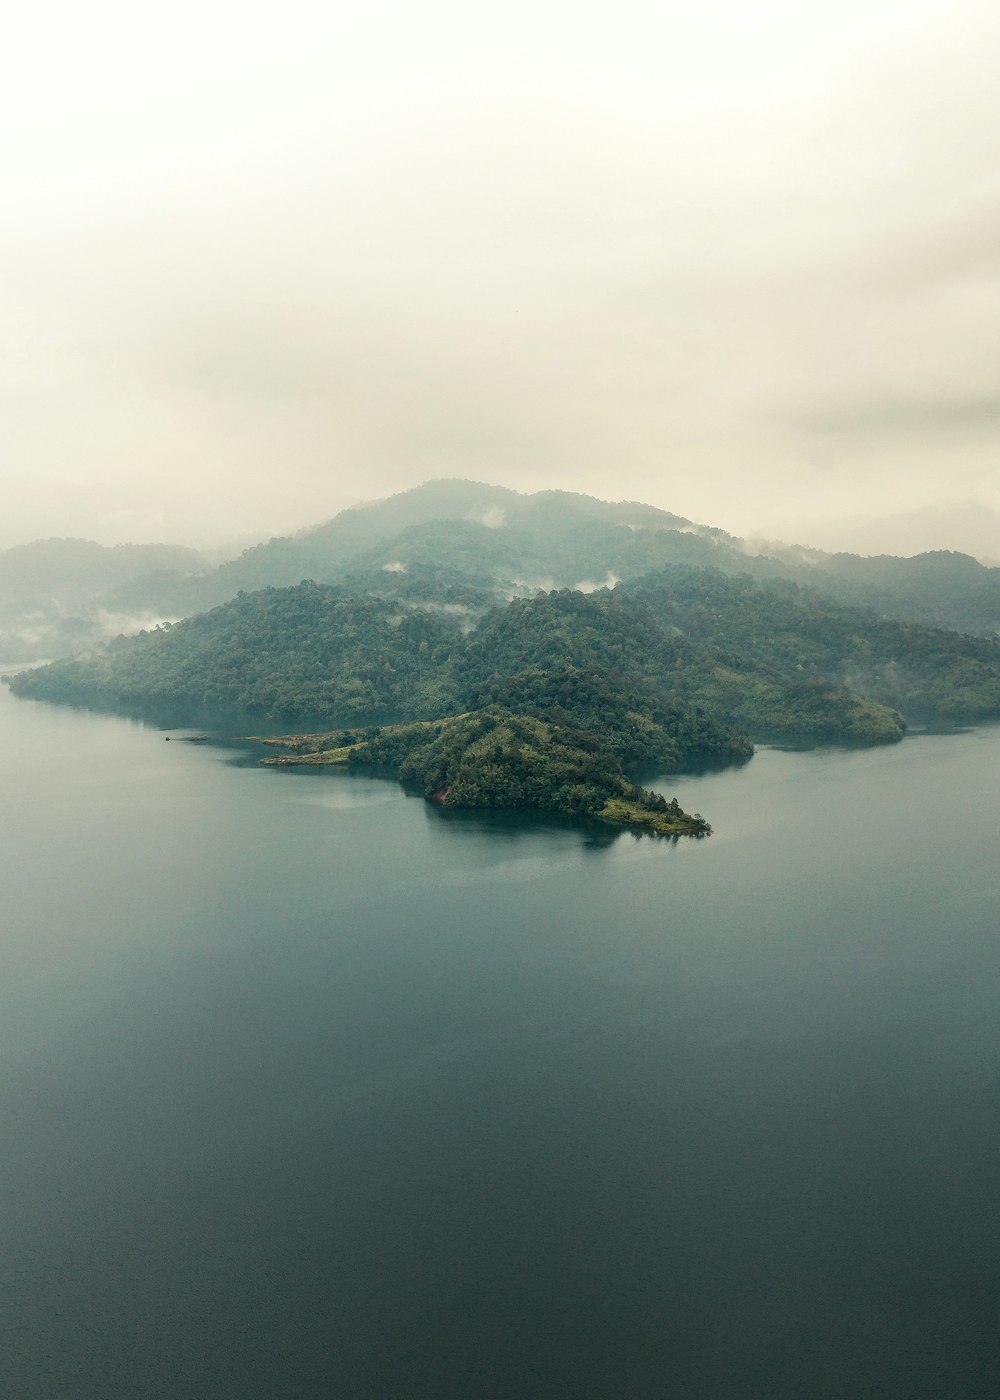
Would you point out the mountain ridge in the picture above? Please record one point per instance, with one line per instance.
(462, 547)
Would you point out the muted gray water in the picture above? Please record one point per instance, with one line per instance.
(309, 1091)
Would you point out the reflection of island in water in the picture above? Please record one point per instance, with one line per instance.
(495, 760)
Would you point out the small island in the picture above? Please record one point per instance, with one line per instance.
(494, 758)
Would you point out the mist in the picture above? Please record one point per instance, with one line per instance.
(740, 265)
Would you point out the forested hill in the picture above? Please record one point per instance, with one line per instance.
(493, 758)
(471, 545)
(458, 543)
(673, 667)
(88, 569)
(773, 633)
(281, 653)
(542, 535)
(468, 545)
(458, 548)
(58, 596)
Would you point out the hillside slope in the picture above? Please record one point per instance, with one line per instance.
(668, 667)
(461, 548)
(58, 596)
(469, 545)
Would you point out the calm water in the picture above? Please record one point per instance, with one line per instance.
(308, 1091)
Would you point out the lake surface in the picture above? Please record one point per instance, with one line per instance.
(311, 1091)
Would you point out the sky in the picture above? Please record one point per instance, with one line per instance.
(260, 262)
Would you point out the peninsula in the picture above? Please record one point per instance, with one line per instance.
(431, 633)
(494, 758)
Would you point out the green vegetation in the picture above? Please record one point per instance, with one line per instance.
(806, 666)
(280, 653)
(492, 758)
(674, 669)
(549, 700)
(471, 545)
(459, 549)
(645, 666)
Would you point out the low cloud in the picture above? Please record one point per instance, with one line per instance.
(115, 624)
(588, 586)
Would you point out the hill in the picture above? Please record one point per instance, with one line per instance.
(59, 596)
(460, 548)
(281, 653)
(493, 758)
(468, 545)
(966, 527)
(667, 666)
(682, 667)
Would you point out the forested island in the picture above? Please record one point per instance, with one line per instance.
(486, 692)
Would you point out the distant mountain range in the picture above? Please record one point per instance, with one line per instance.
(966, 527)
(59, 596)
(459, 547)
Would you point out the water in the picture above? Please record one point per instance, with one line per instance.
(309, 1090)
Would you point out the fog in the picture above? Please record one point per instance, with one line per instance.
(739, 262)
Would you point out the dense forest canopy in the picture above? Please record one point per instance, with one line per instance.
(280, 652)
(539, 695)
(493, 758)
(461, 548)
(670, 668)
(484, 543)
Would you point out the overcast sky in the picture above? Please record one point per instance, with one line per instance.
(262, 261)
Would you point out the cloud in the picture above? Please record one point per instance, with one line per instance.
(914, 417)
(590, 586)
(708, 256)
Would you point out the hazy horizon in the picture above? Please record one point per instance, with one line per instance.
(740, 265)
(965, 527)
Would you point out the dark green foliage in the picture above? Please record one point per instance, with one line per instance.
(280, 652)
(459, 548)
(559, 693)
(644, 666)
(493, 758)
(601, 661)
(784, 652)
(671, 670)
